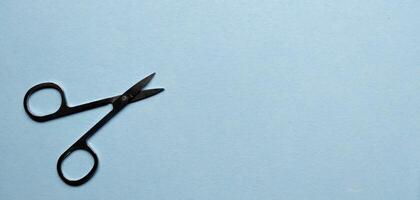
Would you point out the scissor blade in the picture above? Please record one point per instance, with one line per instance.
(147, 93)
(137, 88)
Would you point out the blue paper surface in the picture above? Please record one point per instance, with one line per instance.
(264, 99)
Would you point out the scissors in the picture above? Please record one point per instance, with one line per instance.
(135, 93)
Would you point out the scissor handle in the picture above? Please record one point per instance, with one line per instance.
(81, 144)
(61, 110)
(64, 109)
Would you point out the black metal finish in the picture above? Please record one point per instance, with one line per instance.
(64, 109)
(135, 93)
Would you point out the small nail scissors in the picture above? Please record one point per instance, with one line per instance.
(135, 93)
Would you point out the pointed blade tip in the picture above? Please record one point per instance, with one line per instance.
(148, 93)
(149, 78)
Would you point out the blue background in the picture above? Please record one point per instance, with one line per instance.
(264, 99)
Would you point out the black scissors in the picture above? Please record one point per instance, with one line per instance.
(135, 93)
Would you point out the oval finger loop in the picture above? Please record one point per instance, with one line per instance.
(78, 146)
(47, 117)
